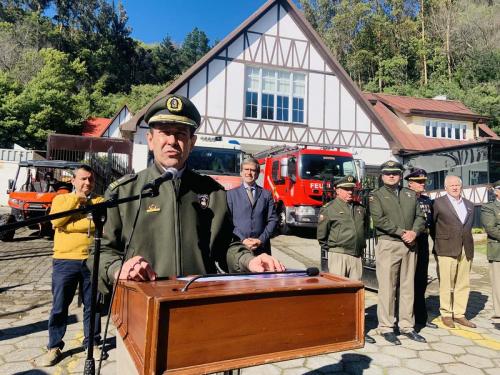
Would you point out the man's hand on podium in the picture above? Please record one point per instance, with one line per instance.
(265, 262)
(137, 269)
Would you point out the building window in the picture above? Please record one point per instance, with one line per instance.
(436, 129)
(269, 94)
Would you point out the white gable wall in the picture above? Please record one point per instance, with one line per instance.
(331, 114)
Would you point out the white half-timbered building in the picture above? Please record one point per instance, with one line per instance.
(273, 81)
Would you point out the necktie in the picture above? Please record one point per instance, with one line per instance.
(250, 194)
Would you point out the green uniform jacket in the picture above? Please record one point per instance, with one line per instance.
(392, 214)
(340, 229)
(177, 236)
(490, 217)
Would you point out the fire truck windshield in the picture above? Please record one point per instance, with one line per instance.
(207, 160)
(319, 167)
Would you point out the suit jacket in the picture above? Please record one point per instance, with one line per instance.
(257, 221)
(450, 233)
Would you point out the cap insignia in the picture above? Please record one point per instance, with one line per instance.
(391, 164)
(174, 104)
(350, 179)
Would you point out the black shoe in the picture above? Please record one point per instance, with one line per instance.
(369, 339)
(391, 337)
(431, 325)
(414, 336)
(496, 325)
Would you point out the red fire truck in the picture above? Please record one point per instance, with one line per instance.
(219, 158)
(301, 180)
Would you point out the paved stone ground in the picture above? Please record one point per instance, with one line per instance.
(25, 302)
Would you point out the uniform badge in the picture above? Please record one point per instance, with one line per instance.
(204, 200)
(153, 208)
(321, 217)
(370, 198)
(409, 195)
(174, 104)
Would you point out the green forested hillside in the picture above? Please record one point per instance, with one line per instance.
(419, 48)
(63, 61)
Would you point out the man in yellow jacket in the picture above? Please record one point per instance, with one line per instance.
(72, 239)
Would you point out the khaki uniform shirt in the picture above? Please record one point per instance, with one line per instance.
(341, 227)
(393, 213)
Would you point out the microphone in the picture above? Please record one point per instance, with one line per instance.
(169, 174)
(310, 271)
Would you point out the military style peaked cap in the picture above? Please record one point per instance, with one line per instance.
(346, 182)
(391, 166)
(416, 174)
(173, 109)
(496, 185)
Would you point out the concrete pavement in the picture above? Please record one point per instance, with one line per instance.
(25, 302)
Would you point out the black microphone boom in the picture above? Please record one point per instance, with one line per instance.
(310, 271)
(169, 174)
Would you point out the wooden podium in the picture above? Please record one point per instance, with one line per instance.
(222, 325)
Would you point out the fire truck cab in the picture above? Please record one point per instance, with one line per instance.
(219, 158)
(301, 180)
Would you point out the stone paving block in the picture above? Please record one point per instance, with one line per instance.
(461, 369)
(31, 342)
(15, 367)
(430, 337)
(23, 354)
(423, 366)
(322, 362)
(475, 361)
(457, 340)
(482, 352)
(299, 362)
(448, 348)
(362, 367)
(493, 371)
(436, 357)
(384, 360)
(6, 349)
(410, 344)
(295, 371)
(402, 371)
(399, 351)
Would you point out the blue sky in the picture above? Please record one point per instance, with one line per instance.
(152, 20)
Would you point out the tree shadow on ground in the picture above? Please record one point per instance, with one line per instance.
(350, 363)
(5, 288)
(9, 333)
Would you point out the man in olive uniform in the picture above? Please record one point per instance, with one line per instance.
(416, 182)
(398, 220)
(341, 233)
(186, 228)
(490, 217)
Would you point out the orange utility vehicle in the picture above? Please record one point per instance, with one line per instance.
(31, 193)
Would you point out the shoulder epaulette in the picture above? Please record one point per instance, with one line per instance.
(328, 204)
(122, 180)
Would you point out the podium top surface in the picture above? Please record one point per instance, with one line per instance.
(170, 289)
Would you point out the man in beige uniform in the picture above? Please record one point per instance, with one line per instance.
(490, 217)
(398, 220)
(341, 233)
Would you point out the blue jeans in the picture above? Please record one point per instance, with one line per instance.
(66, 274)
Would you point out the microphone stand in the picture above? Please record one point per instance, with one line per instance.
(98, 212)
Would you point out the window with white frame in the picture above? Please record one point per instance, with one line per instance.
(276, 95)
(447, 130)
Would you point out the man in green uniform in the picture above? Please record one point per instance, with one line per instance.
(341, 233)
(398, 220)
(490, 217)
(186, 228)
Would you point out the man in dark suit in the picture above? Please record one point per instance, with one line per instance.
(252, 209)
(454, 248)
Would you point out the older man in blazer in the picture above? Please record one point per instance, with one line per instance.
(454, 248)
(252, 209)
